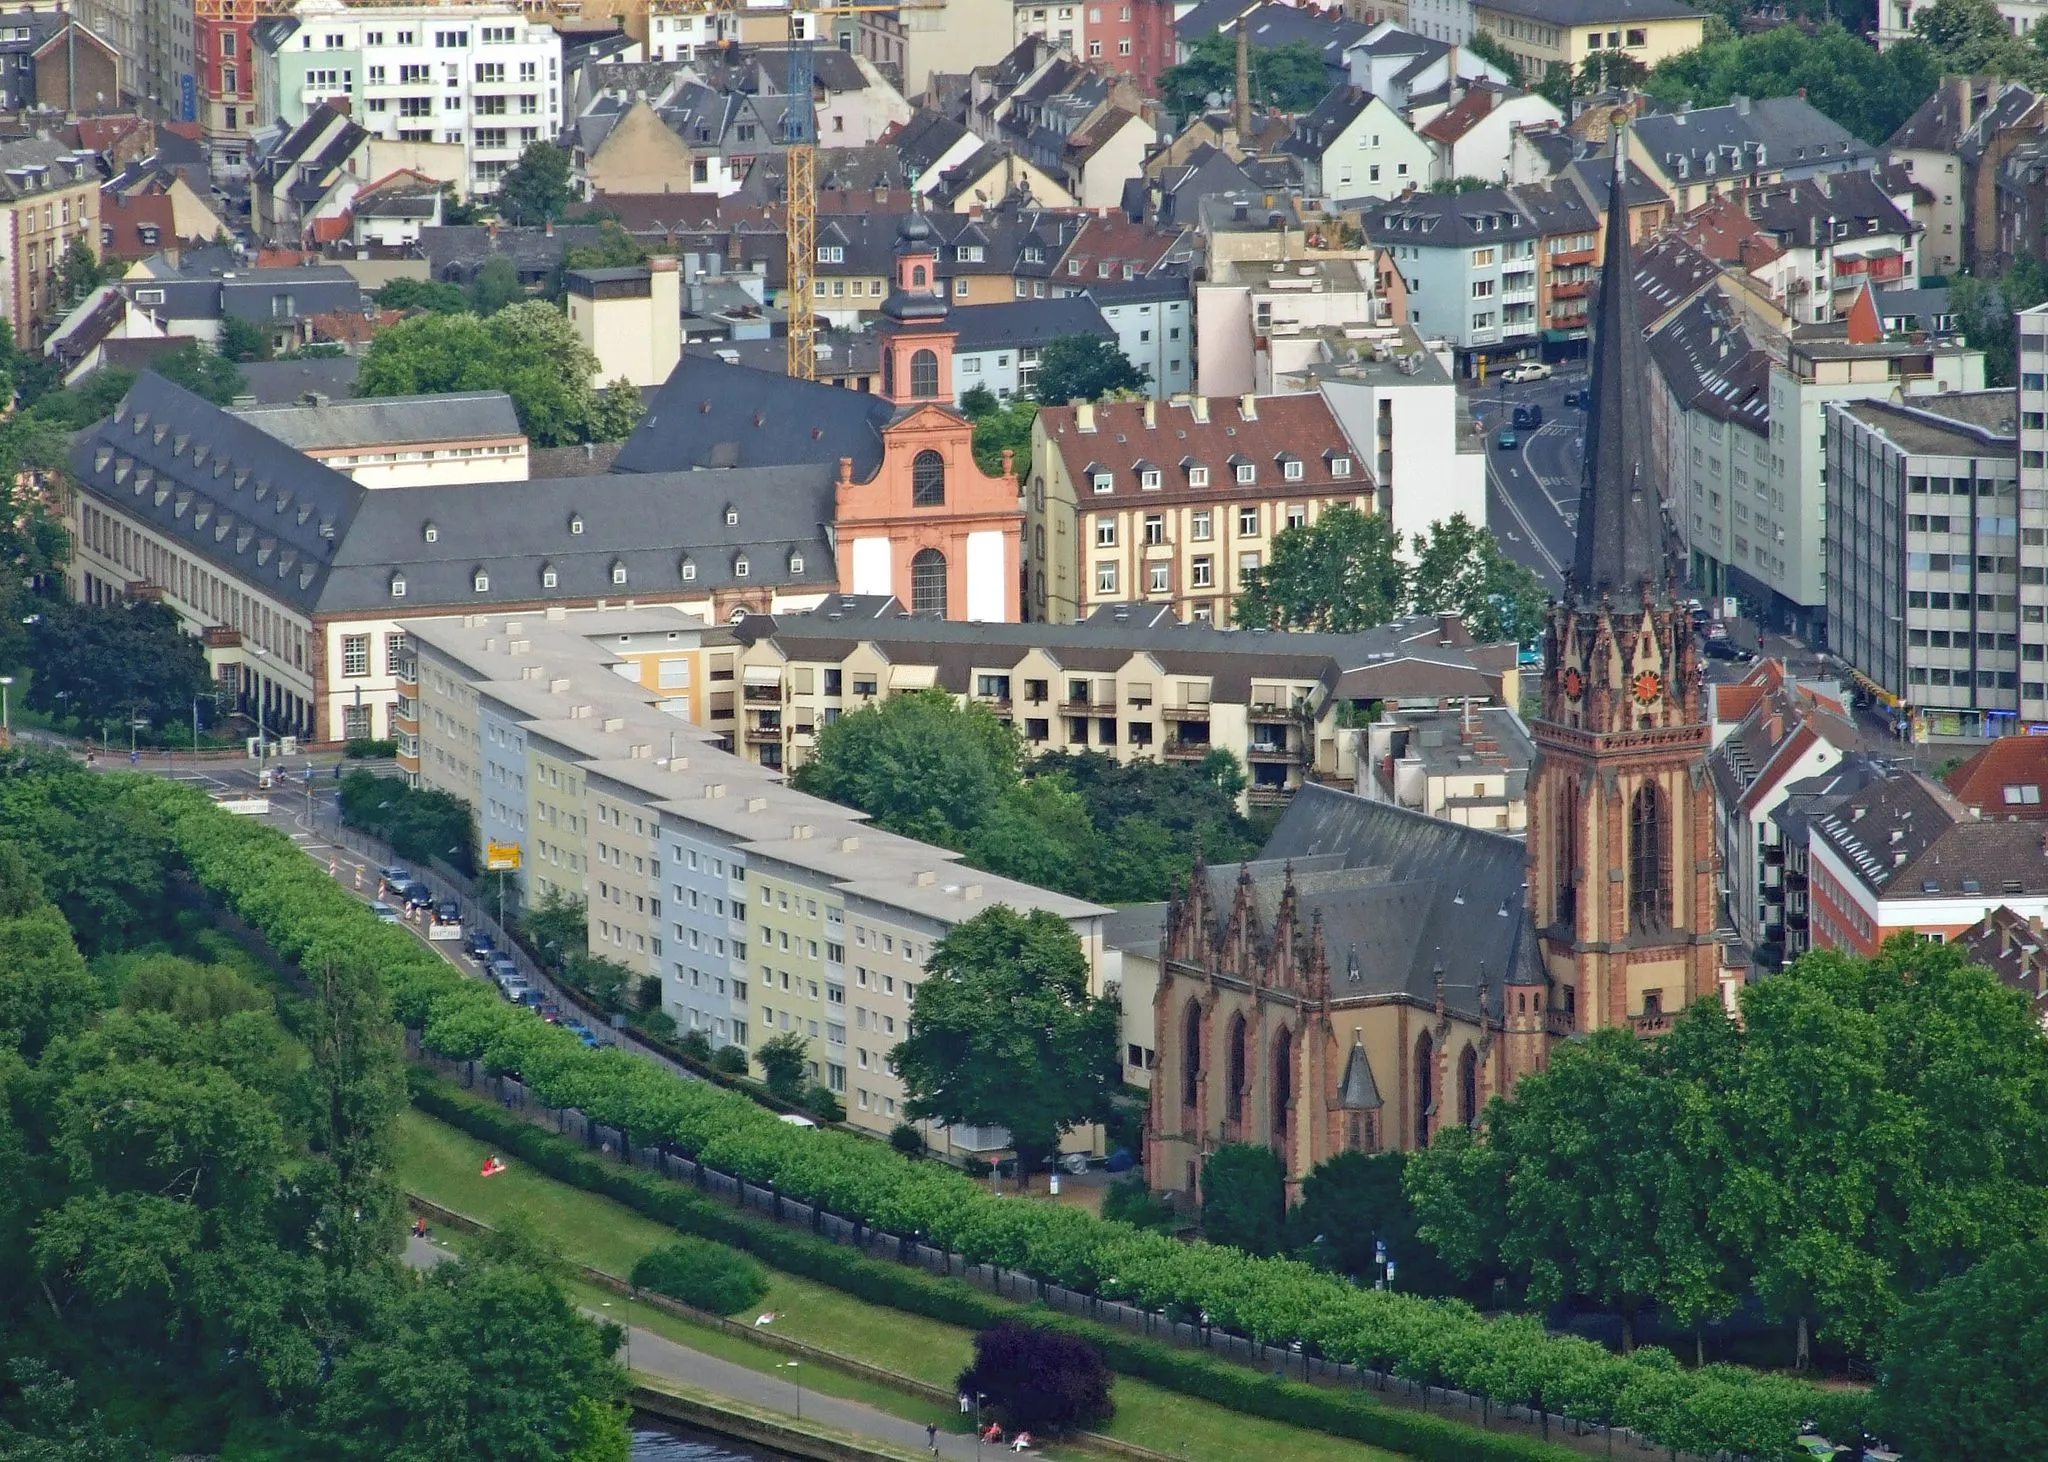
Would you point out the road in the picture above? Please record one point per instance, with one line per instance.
(660, 1359)
(1532, 492)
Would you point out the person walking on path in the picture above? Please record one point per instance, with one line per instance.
(931, 1436)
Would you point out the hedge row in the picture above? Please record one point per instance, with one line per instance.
(308, 918)
(957, 1302)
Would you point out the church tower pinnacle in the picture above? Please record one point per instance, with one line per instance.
(1621, 852)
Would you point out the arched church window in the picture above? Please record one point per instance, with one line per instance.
(928, 480)
(924, 373)
(1649, 862)
(928, 582)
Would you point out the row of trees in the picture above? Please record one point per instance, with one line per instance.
(199, 1231)
(1343, 573)
(922, 765)
(1865, 1130)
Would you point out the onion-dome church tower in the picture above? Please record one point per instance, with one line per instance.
(1621, 846)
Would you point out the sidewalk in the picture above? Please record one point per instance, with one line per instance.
(659, 1358)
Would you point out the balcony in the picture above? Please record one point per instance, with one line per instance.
(1652, 1023)
(1574, 257)
(762, 695)
(1268, 751)
(1186, 750)
(1268, 794)
(1268, 713)
(1571, 290)
(1186, 713)
(977, 1139)
(1087, 708)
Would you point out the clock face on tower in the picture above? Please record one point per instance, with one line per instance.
(1647, 685)
(1574, 683)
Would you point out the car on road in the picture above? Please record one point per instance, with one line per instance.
(384, 912)
(394, 878)
(479, 946)
(1578, 398)
(1528, 370)
(448, 911)
(1507, 441)
(1530, 657)
(1528, 418)
(1727, 649)
(419, 896)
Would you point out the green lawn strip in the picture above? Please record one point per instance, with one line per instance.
(442, 1165)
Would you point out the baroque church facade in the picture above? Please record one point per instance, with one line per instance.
(1377, 973)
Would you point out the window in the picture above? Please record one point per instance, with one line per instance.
(394, 653)
(1204, 572)
(1291, 469)
(398, 586)
(1199, 525)
(1148, 480)
(928, 581)
(1649, 894)
(482, 582)
(927, 478)
(355, 655)
(1155, 528)
(1105, 533)
(1340, 466)
(355, 723)
(1248, 522)
(1159, 577)
(1636, 38)
(1198, 477)
(1102, 481)
(1105, 578)
(924, 373)
(1247, 474)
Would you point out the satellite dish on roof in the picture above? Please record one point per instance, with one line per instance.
(1214, 99)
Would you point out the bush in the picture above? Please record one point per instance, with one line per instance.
(1130, 1201)
(263, 878)
(907, 1140)
(696, 1045)
(1039, 1380)
(708, 1276)
(1244, 1198)
(363, 748)
(732, 1060)
(820, 1103)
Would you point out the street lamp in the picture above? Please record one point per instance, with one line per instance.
(796, 1380)
(261, 737)
(6, 727)
(135, 723)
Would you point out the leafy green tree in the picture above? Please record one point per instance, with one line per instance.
(1290, 78)
(355, 1089)
(557, 926)
(1351, 1205)
(701, 1273)
(48, 992)
(1487, 47)
(424, 294)
(617, 411)
(614, 249)
(92, 399)
(420, 823)
(1085, 368)
(1338, 573)
(1965, 1369)
(318, 350)
(78, 272)
(918, 763)
(999, 426)
(1460, 569)
(1870, 92)
(496, 285)
(1985, 306)
(535, 190)
(1244, 1198)
(485, 1360)
(785, 1063)
(528, 350)
(106, 663)
(1005, 1034)
(203, 372)
(242, 340)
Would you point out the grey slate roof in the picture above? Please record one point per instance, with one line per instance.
(709, 414)
(1449, 220)
(1026, 323)
(1408, 894)
(308, 535)
(1791, 132)
(387, 420)
(1314, 134)
(288, 380)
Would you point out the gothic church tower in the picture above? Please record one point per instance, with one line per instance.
(1621, 845)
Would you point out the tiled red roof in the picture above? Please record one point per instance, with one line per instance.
(123, 219)
(1301, 427)
(330, 230)
(1455, 121)
(1996, 781)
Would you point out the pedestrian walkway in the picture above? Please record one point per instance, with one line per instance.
(661, 1359)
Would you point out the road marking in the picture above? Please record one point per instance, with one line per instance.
(1543, 549)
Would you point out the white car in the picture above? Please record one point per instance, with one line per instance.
(1527, 371)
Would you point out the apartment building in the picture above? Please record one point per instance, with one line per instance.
(1470, 261)
(1935, 563)
(49, 196)
(762, 911)
(1172, 503)
(1569, 33)
(154, 45)
(1131, 682)
(483, 76)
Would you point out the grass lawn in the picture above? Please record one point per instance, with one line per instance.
(441, 1164)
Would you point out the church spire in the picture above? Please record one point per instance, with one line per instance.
(1620, 545)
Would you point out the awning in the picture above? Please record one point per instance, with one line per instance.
(1876, 690)
(763, 675)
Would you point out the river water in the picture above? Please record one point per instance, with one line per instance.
(664, 1442)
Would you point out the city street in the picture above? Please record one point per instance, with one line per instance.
(1532, 491)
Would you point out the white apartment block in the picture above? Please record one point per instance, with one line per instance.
(481, 76)
(760, 909)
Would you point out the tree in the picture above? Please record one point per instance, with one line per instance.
(614, 249)
(1870, 92)
(698, 1272)
(496, 285)
(1965, 1371)
(1487, 47)
(999, 426)
(242, 340)
(617, 411)
(1460, 569)
(1084, 367)
(1336, 574)
(1244, 1198)
(78, 272)
(557, 926)
(95, 663)
(1004, 1033)
(918, 763)
(529, 350)
(1040, 1381)
(355, 1087)
(1290, 78)
(785, 1061)
(1353, 1206)
(424, 294)
(535, 190)
(203, 372)
(480, 1360)
(420, 823)
(1985, 305)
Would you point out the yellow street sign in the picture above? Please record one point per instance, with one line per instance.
(501, 857)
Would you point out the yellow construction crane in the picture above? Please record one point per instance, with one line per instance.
(800, 187)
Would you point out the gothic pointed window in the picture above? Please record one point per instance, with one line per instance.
(928, 582)
(1649, 862)
(928, 481)
(1191, 1055)
(1234, 1071)
(1425, 1087)
(924, 373)
(1566, 874)
(1283, 1082)
(1468, 1088)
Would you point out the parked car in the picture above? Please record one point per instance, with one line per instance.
(1726, 649)
(384, 912)
(1528, 370)
(1528, 418)
(526, 995)
(1507, 441)
(550, 1012)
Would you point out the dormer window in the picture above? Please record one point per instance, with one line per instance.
(618, 572)
(431, 533)
(1198, 477)
(739, 567)
(398, 586)
(831, 253)
(1290, 468)
(1247, 474)
(1103, 481)
(1148, 480)
(548, 577)
(1340, 466)
(481, 582)
(796, 563)
(689, 570)
(732, 516)
(576, 523)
